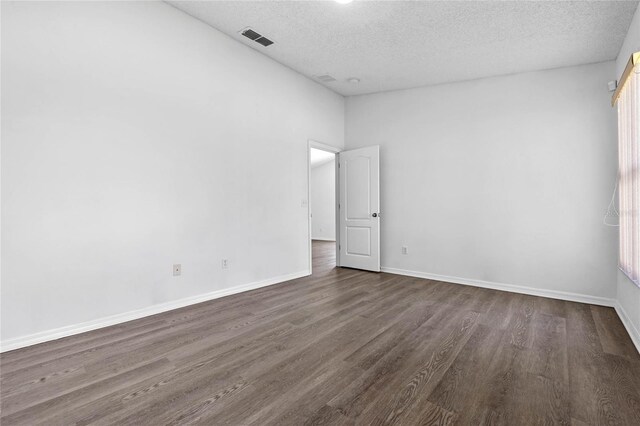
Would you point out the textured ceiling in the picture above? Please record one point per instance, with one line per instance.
(396, 44)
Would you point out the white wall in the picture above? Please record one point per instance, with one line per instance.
(323, 201)
(500, 180)
(135, 137)
(630, 45)
(628, 292)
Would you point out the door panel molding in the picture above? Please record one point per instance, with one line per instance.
(359, 205)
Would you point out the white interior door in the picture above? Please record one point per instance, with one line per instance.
(359, 208)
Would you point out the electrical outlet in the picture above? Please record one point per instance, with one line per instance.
(225, 263)
(405, 250)
(177, 269)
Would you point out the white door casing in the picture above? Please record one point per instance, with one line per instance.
(359, 208)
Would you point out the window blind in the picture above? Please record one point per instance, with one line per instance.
(629, 174)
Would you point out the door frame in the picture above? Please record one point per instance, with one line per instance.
(329, 148)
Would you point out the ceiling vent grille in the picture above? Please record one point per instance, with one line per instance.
(325, 78)
(256, 36)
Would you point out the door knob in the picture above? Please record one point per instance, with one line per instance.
(374, 214)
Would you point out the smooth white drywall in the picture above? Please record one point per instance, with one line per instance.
(323, 201)
(628, 293)
(135, 137)
(501, 180)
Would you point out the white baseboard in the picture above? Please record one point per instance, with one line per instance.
(634, 333)
(58, 333)
(71, 330)
(553, 294)
(333, 240)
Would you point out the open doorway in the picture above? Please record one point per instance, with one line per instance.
(355, 205)
(323, 232)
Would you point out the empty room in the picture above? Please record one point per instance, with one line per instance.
(340, 212)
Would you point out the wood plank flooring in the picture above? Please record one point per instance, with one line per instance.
(342, 347)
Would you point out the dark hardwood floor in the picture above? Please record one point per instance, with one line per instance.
(339, 347)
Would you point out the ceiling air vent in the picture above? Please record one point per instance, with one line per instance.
(264, 41)
(325, 78)
(257, 37)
